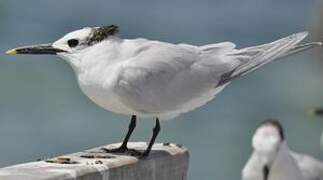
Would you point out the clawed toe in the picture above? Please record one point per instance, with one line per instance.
(122, 150)
(115, 150)
(134, 152)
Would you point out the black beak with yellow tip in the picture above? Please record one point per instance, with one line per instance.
(35, 49)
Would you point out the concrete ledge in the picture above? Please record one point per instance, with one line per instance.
(166, 162)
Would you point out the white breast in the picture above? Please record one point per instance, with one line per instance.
(98, 83)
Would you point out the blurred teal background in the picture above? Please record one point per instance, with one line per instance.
(43, 113)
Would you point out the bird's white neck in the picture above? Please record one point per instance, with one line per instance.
(268, 157)
(97, 55)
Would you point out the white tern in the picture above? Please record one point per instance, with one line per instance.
(147, 78)
(271, 158)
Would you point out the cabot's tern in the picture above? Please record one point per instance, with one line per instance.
(272, 159)
(145, 78)
(319, 113)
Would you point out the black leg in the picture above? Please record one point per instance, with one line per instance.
(132, 126)
(265, 172)
(153, 138)
(123, 148)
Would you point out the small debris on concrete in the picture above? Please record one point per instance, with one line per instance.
(179, 145)
(166, 144)
(98, 162)
(61, 160)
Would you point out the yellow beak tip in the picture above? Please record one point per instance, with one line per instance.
(11, 52)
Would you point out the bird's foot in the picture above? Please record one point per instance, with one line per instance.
(124, 150)
(119, 150)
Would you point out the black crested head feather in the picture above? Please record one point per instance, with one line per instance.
(100, 33)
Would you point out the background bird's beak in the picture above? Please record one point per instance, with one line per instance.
(35, 49)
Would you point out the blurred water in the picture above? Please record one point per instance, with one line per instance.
(43, 113)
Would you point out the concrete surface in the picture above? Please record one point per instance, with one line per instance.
(166, 162)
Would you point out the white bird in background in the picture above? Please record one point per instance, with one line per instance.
(146, 78)
(319, 113)
(272, 159)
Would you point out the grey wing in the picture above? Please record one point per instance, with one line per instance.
(151, 81)
(312, 169)
(166, 77)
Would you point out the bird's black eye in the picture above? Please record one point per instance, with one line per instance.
(72, 43)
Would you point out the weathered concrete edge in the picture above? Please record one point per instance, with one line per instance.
(166, 161)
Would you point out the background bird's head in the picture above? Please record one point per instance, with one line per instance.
(268, 137)
(73, 44)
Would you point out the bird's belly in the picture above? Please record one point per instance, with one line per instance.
(148, 100)
(165, 106)
(193, 103)
(106, 99)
